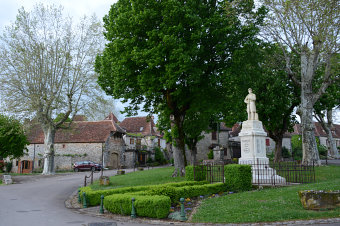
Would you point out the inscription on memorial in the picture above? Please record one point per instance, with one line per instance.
(246, 145)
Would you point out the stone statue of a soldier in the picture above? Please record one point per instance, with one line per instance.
(251, 107)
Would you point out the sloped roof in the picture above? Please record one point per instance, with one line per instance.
(140, 125)
(112, 117)
(78, 132)
(318, 130)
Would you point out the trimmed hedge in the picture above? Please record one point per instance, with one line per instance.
(200, 173)
(146, 206)
(238, 177)
(93, 196)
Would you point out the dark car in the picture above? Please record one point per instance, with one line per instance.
(86, 165)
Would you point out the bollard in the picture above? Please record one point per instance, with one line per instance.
(84, 200)
(133, 211)
(79, 199)
(182, 218)
(101, 210)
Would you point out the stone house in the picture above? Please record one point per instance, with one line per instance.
(141, 138)
(209, 141)
(98, 141)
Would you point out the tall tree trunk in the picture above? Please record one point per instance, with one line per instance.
(179, 147)
(178, 160)
(193, 152)
(278, 148)
(310, 152)
(327, 126)
(49, 133)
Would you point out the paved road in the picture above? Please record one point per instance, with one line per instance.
(39, 201)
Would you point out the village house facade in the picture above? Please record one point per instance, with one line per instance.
(98, 141)
(141, 139)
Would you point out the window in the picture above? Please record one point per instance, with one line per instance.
(64, 145)
(213, 135)
(139, 141)
(26, 164)
(267, 142)
(16, 163)
(132, 141)
(141, 128)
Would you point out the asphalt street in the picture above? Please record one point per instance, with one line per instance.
(40, 201)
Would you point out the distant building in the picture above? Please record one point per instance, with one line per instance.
(321, 134)
(141, 139)
(98, 141)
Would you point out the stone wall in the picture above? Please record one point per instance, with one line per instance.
(65, 154)
(130, 158)
(203, 145)
(114, 152)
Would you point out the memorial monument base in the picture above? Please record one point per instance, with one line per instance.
(253, 152)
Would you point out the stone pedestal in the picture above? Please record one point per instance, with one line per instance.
(253, 152)
(218, 154)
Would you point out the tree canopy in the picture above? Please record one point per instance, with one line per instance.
(171, 55)
(46, 68)
(12, 138)
(309, 29)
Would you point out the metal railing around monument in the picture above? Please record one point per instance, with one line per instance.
(282, 173)
(273, 174)
(210, 171)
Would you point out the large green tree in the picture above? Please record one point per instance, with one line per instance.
(276, 96)
(171, 54)
(46, 68)
(309, 29)
(12, 138)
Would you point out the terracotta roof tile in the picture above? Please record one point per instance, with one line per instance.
(140, 125)
(112, 117)
(318, 130)
(78, 132)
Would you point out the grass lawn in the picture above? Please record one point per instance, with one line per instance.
(146, 177)
(272, 204)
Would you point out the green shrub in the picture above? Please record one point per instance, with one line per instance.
(93, 196)
(159, 157)
(238, 177)
(211, 154)
(322, 151)
(146, 206)
(8, 166)
(286, 153)
(200, 173)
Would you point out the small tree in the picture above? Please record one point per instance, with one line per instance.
(46, 68)
(12, 138)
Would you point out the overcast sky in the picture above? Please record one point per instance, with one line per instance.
(75, 8)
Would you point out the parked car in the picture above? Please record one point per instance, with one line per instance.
(86, 165)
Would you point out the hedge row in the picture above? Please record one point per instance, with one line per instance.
(93, 196)
(145, 206)
(199, 175)
(237, 177)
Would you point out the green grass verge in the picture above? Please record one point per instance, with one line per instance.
(274, 204)
(139, 178)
